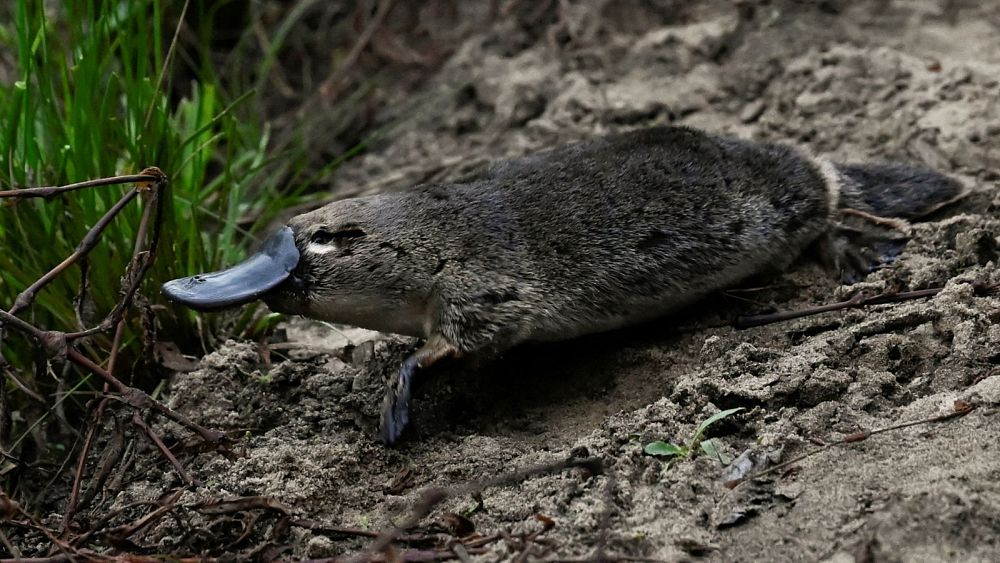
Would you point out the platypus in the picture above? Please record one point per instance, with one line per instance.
(583, 238)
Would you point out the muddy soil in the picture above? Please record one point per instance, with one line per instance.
(914, 81)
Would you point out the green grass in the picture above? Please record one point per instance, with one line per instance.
(86, 103)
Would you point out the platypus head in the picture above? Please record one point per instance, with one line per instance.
(343, 263)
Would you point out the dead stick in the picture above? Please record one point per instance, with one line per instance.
(127, 530)
(140, 399)
(435, 496)
(81, 464)
(62, 546)
(56, 342)
(153, 437)
(853, 303)
(51, 191)
(7, 372)
(109, 460)
(116, 343)
(323, 528)
(134, 397)
(90, 239)
(99, 527)
(152, 220)
(54, 559)
(24, 326)
(857, 301)
(86, 245)
(961, 409)
(72, 507)
(80, 302)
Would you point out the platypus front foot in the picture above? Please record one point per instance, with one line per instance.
(396, 407)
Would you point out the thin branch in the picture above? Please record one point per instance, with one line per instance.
(152, 219)
(56, 342)
(99, 527)
(81, 464)
(857, 301)
(51, 191)
(140, 399)
(184, 475)
(88, 243)
(435, 496)
(7, 372)
(21, 325)
(54, 559)
(81, 302)
(13, 507)
(124, 531)
(150, 185)
(962, 408)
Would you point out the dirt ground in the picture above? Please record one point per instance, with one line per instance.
(914, 81)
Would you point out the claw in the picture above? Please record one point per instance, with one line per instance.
(396, 408)
(855, 249)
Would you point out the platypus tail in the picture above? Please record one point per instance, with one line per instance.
(896, 190)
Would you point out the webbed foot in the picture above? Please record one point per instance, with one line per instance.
(396, 407)
(862, 243)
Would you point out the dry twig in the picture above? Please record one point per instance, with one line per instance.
(857, 301)
(149, 188)
(962, 408)
(435, 496)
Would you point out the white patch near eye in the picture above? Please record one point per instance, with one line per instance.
(317, 248)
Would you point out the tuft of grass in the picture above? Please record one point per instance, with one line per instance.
(87, 91)
(696, 443)
(87, 102)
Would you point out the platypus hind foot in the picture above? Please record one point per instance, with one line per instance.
(860, 243)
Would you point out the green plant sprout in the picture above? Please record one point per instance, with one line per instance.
(680, 451)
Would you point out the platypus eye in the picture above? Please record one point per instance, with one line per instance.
(345, 234)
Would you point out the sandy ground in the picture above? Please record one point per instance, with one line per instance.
(912, 81)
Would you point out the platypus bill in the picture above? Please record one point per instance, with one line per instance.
(584, 238)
